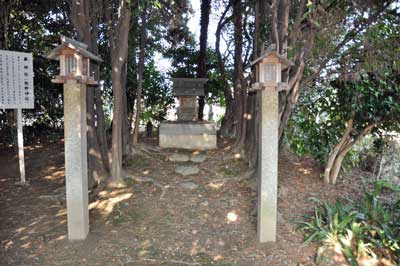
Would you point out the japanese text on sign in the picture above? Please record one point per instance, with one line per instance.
(16, 80)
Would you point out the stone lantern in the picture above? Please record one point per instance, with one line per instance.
(269, 67)
(268, 84)
(75, 62)
(75, 74)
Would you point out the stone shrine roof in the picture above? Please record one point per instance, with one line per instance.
(188, 86)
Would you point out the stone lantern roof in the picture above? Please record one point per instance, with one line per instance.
(79, 47)
(271, 52)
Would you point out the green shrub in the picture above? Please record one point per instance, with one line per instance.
(366, 225)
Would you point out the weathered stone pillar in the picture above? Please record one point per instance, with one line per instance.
(76, 159)
(268, 165)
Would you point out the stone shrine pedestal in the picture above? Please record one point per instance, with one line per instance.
(187, 132)
(193, 136)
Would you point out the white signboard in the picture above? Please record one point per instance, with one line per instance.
(16, 80)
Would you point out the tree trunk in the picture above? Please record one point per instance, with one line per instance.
(85, 22)
(345, 145)
(291, 99)
(336, 167)
(336, 150)
(274, 24)
(283, 25)
(252, 140)
(202, 70)
(381, 163)
(95, 167)
(5, 12)
(227, 124)
(239, 89)
(118, 31)
(116, 147)
(140, 75)
(126, 127)
(102, 143)
(101, 131)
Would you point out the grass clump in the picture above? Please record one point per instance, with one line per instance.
(367, 227)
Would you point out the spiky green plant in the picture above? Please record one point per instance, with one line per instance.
(361, 227)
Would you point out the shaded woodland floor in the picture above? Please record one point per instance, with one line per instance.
(213, 224)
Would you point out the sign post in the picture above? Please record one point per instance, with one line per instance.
(16, 92)
(21, 146)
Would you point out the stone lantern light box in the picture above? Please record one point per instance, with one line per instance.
(75, 61)
(269, 67)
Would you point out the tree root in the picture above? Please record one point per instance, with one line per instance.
(144, 150)
(139, 179)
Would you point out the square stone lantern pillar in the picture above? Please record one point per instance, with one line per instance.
(75, 75)
(268, 77)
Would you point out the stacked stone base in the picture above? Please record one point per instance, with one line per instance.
(200, 136)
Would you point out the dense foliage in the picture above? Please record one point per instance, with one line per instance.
(357, 95)
(319, 120)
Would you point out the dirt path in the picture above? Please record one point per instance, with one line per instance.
(209, 221)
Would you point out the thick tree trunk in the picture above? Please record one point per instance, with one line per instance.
(283, 25)
(252, 140)
(5, 12)
(118, 31)
(202, 70)
(102, 143)
(227, 124)
(101, 131)
(116, 147)
(140, 76)
(238, 83)
(85, 22)
(274, 24)
(95, 167)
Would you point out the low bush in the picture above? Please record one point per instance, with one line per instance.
(366, 227)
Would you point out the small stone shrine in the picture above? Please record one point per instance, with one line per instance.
(187, 90)
(187, 132)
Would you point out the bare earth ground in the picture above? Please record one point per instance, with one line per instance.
(211, 225)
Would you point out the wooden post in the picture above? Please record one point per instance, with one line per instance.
(20, 137)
